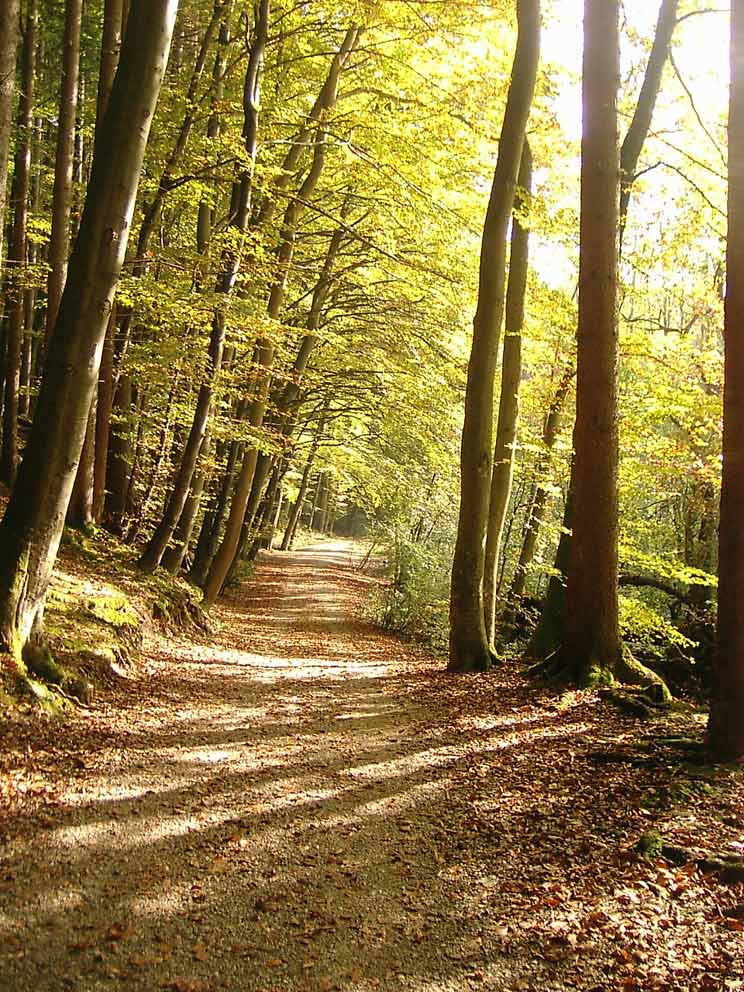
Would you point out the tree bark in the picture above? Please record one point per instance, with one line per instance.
(266, 346)
(18, 245)
(8, 47)
(726, 723)
(174, 556)
(32, 526)
(153, 554)
(114, 16)
(536, 516)
(469, 648)
(511, 375)
(295, 512)
(62, 195)
(592, 636)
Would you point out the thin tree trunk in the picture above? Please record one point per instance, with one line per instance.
(536, 516)
(8, 46)
(266, 346)
(174, 556)
(726, 723)
(643, 115)
(511, 375)
(160, 540)
(17, 253)
(62, 195)
(294, 515)
(32, 526)
(114, 16)
(104, 407)
(469, 647)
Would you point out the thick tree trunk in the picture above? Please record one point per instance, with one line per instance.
(62, 195)
(17, 253)
(469, 648)
(32, 526)
(8, 46)
(511, 375)
(726, 724)
(153, 554)
(630, 153)
(591, 636)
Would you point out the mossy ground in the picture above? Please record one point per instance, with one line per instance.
(98, 606)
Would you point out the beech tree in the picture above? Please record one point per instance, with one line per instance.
(32, 526)
(8, 45)
(469, 647)
(726, 724)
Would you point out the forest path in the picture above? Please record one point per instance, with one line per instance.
(306, 803)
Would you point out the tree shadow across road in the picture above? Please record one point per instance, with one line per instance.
(309, 804)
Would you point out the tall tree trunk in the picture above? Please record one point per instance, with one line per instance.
(591, 636)
(121, 447)
(17, 253)
(8, 47)
(160, 540)
(266, 346)
(726, 724)
(114, 16)
(630, 153)
(511, 375)
(62, 195)
(32, 526)
(469, 648)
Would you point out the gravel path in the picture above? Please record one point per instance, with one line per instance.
(306, 803)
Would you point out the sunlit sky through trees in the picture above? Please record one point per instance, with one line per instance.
(700, 53)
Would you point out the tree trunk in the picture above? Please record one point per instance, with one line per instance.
(114, 16)
(726, 724)
(266, 346)
(8, 46)
(104, 407)
(631, 149)
(294, 514)
(17, 253)
(62, 195)
(591, 636)
(536, 516)
(153, 554)
(32, 526)
(174, 556)
(469, 648)
(511, 375)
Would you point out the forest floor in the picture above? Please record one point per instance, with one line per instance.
(303, 802)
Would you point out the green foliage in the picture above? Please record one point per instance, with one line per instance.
(416, 600)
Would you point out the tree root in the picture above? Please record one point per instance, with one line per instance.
(644, 693)
(727, 868)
